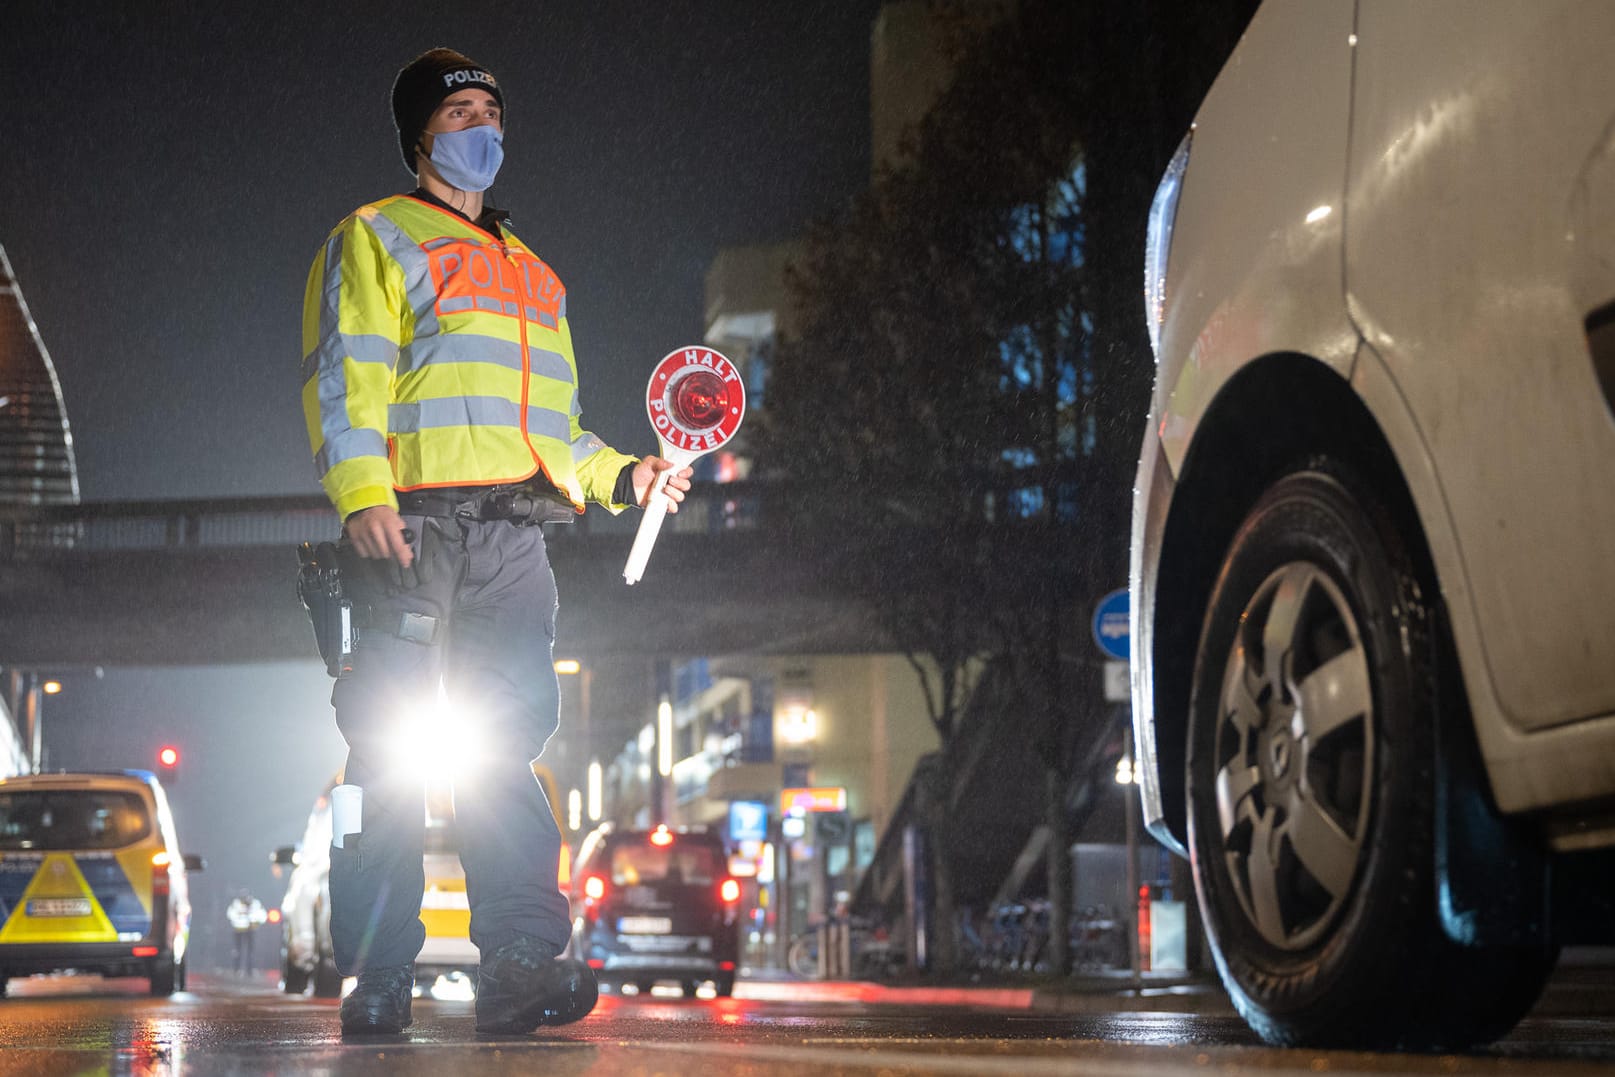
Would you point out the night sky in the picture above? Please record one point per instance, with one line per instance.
(167, 173)
(170, 171)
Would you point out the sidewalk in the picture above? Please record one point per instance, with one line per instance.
(1174, 992)
(1583, 985)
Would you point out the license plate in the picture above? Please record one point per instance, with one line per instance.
(645, 925)
(59, 907)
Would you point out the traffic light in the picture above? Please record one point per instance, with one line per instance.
(168, 763)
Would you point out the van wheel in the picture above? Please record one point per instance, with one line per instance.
(1311, 773)
(162, 976)
(293, 980)
(327, 980)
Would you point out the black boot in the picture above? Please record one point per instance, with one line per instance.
(523, 985)
(379, 1003)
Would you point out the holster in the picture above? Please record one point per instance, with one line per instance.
(342, 591)
(319, 585)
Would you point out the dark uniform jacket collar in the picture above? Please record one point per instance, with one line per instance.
(489, 221)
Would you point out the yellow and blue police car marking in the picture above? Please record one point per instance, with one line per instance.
(75, 897)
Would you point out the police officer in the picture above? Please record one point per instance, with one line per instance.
(441, 396)
(246, 914)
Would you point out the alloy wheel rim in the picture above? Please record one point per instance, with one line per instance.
(1294, 756)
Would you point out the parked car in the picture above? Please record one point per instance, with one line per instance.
(306, 955)
(92, 878)
(654, 905)
(1373, 548)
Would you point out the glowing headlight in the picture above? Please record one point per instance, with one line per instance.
(1158, 241)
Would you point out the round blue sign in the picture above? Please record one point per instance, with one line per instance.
(1112, 624)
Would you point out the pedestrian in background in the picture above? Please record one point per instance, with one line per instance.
(246, 914)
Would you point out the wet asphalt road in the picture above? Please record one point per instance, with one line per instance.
(89, 1026)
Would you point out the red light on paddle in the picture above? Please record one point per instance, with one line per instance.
(729, 891)
(700, 400)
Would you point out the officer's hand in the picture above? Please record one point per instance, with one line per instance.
(378, 533)
(645, 472)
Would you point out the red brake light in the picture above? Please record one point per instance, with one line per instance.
(594, 888)
(661, 836)
(144, 951)
(168, 756)
(729, 891)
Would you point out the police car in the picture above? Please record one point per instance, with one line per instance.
(92, 878)
(655, 905)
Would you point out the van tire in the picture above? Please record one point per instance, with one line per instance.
(162, 976)
(1319, 943)
(293, 980)
(327, 980)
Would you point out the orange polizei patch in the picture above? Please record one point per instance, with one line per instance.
(470, 275)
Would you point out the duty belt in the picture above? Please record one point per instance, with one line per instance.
(521, 505)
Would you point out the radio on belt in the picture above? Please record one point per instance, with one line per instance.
(695, 401)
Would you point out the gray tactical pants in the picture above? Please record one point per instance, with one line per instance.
(494, 593)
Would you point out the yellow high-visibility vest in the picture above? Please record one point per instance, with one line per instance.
(437, 354)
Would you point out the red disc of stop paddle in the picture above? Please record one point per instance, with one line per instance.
(695, 399)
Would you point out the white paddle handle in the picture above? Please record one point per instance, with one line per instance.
(649, 525)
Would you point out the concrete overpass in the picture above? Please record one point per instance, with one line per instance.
(205, 582)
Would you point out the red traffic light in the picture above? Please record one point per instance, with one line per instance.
(168, 755)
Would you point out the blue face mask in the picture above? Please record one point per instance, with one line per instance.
(469, 159)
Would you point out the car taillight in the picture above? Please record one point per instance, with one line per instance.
(729, 891)
(594, 888)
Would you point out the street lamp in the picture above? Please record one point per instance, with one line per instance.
(664, 738)
(595, 784)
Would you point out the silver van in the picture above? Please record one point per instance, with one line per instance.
(1373, 548)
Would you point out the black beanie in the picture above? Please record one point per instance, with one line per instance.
(423, 84)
